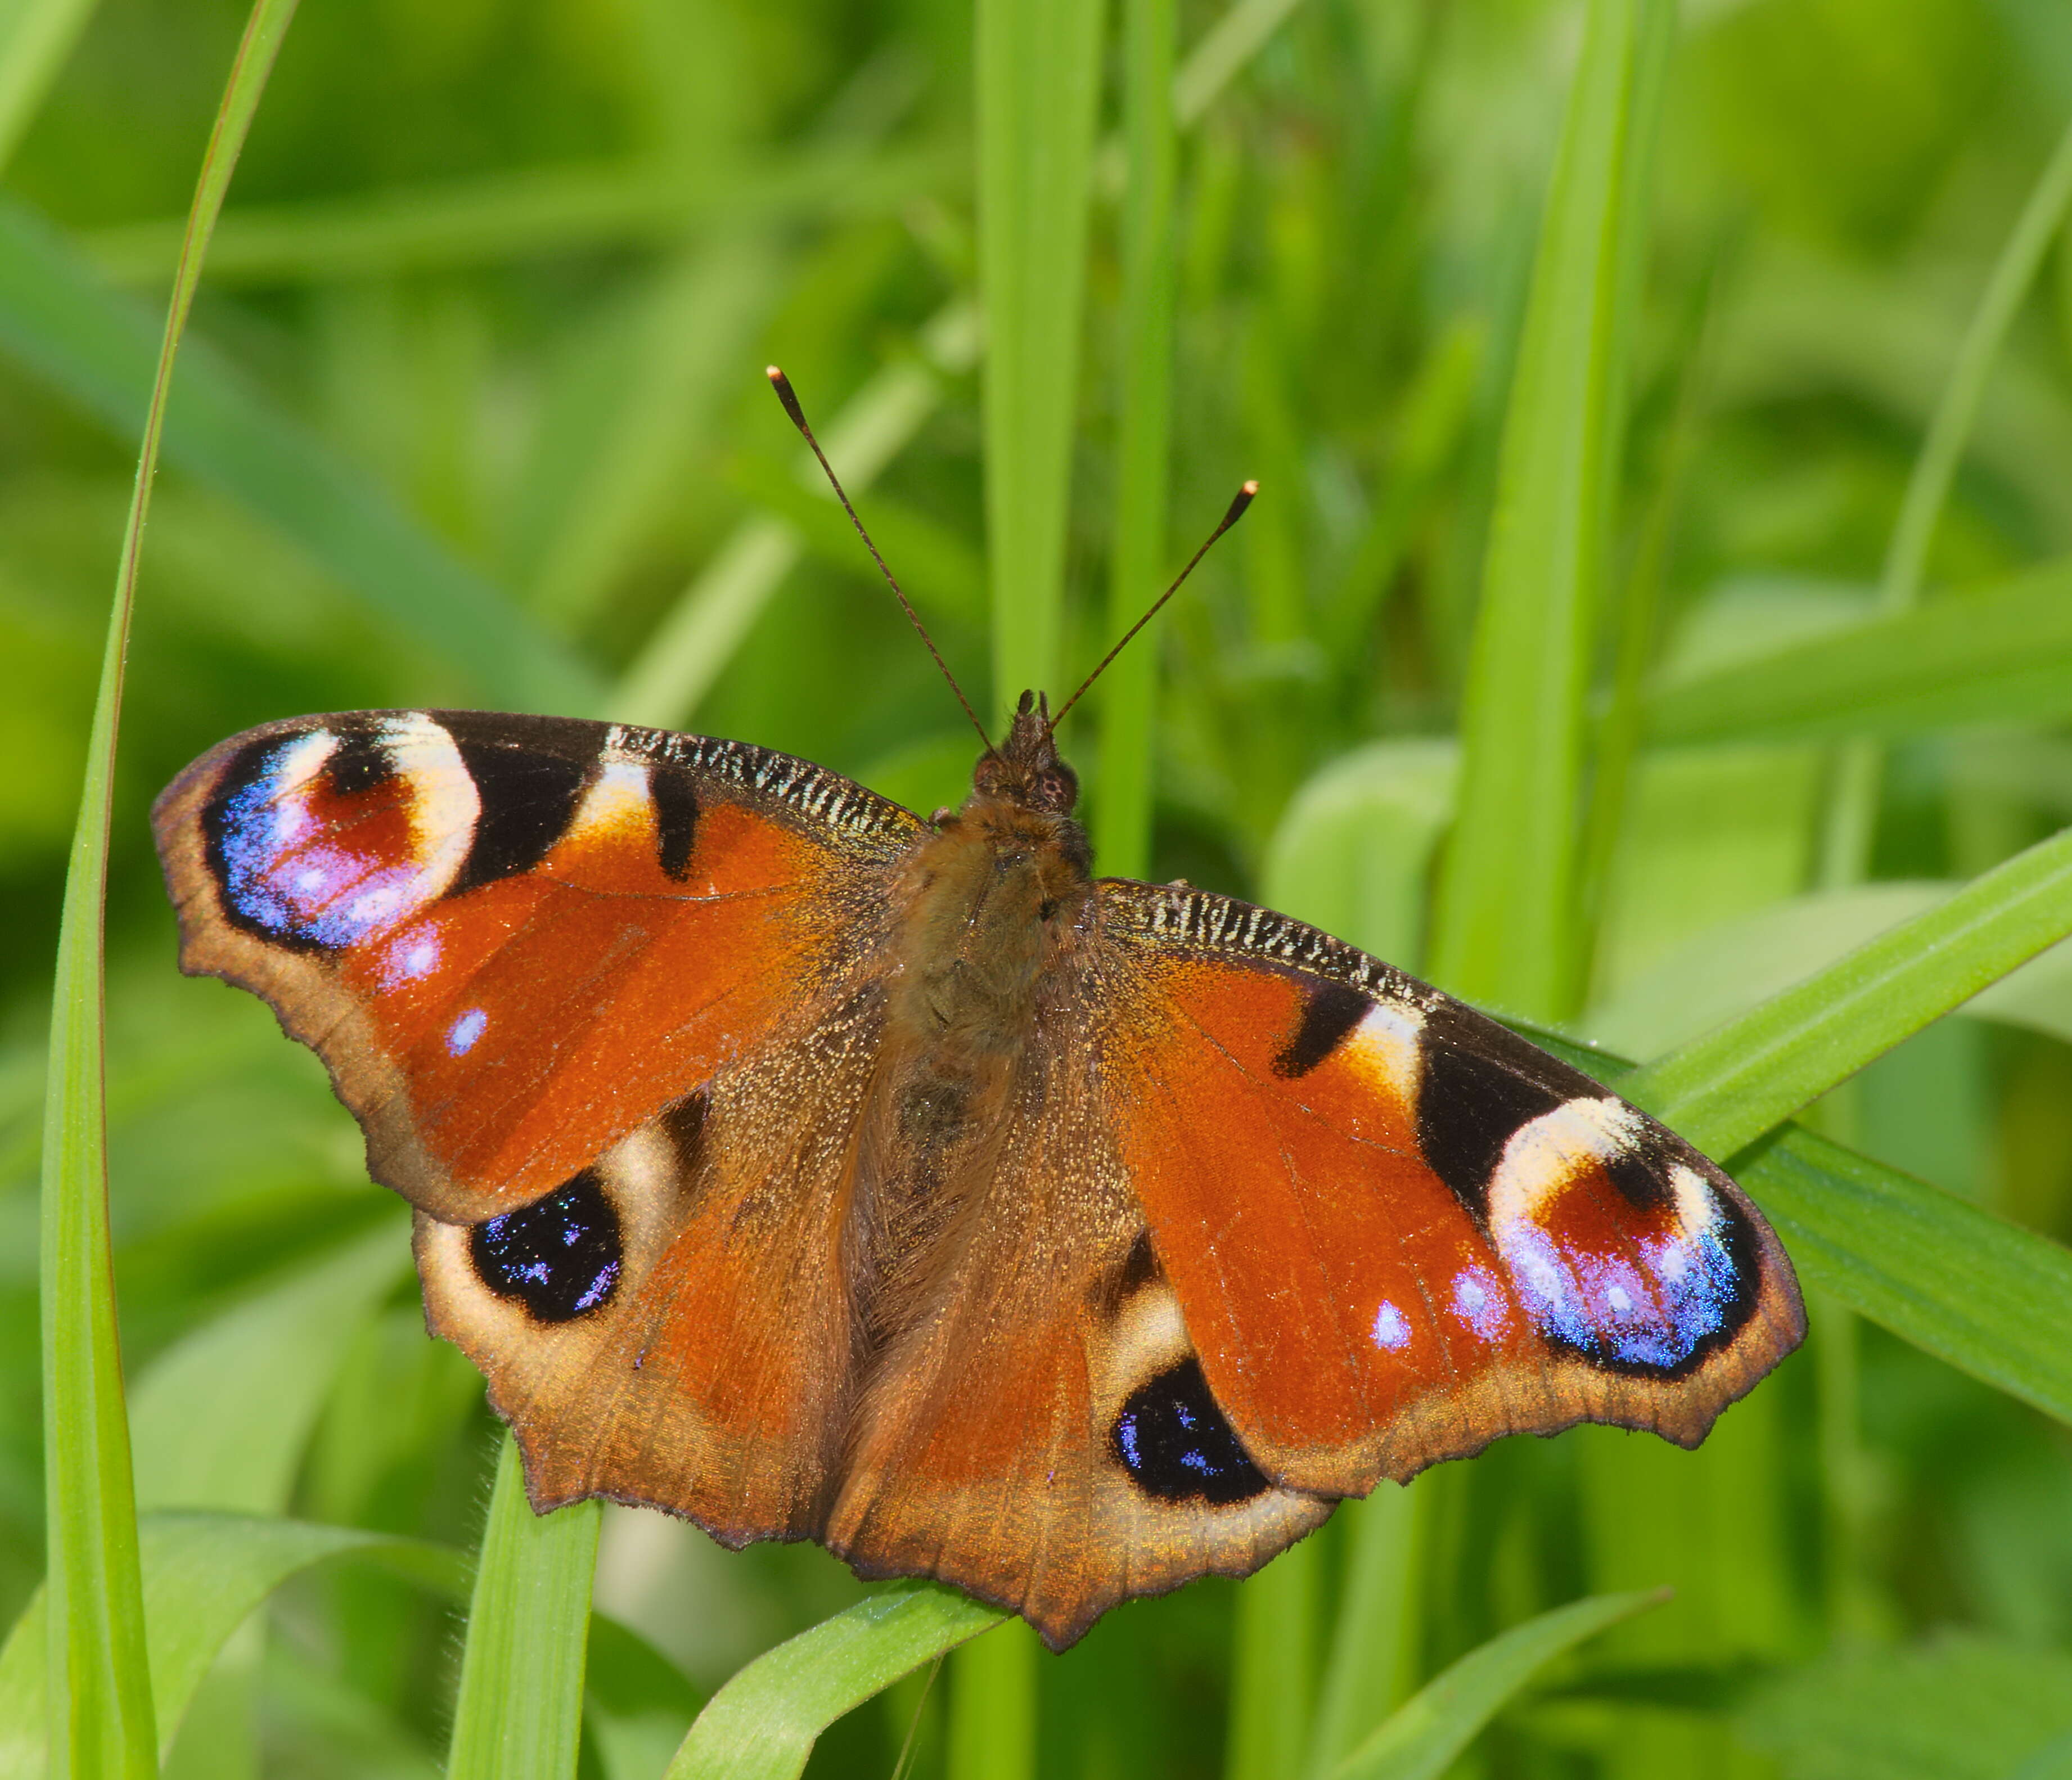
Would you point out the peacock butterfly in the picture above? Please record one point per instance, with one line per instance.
(813, 1170)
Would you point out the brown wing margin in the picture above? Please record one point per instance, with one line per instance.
(1396, 1230)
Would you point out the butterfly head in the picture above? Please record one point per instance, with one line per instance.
(1025, 768)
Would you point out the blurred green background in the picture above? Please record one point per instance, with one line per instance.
(497, 282)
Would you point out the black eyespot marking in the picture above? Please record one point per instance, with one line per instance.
(1141, 1268)
(1332, 1011)
(1176, 1445)
(1468, 1105)
(675, 821)
(1641, 1179)
(359, 763)
(683, 1123)
(527, 799)
(559, 1256)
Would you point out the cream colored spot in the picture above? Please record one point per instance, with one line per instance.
(443, 803)
(615, 807)
(1546, 1151)
(1384, 1047)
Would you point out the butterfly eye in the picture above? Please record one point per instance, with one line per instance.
(1175, 1444)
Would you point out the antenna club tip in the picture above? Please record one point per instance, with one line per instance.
(1250, 488)
(773, 373)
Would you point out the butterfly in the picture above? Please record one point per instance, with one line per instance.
(812, 1169)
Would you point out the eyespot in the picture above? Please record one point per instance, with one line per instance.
(1176, 1445)
(559, 1256)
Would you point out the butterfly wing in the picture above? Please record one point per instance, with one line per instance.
(1397, 1230)
(514, 940)
(604, 1000)
(1036, 1430)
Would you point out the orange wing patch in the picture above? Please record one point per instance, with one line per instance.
(1311, 1197)
(1397, 1230)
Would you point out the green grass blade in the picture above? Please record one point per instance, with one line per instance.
(204, 1574)
(1421, 1741)
(694, 333)
(1273, 1673)
(1122, 813)
(1996, 655)
(1992, 1299)
(60, 322)
(1239, 34)
(1928, 488)
(36, 36)
(534, 210)
(518, 1715)
(992, 1706)
(98, 1710)
(692, 646)
(1370, 1654)
(1506, 927)
(763, 1724)
(1725, 1089)
(1038, 64)
(220, 1419)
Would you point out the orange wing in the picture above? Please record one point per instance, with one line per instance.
(514, 940)
(1397, 1230)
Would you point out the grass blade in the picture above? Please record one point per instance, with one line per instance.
(692, 646)
(59, 321)
(518, 1715)
(203, 1574)
(763, 1724)
(36, 36)
(1928, 488)
(1506, 929)
(1419, 1742)
(535, 211)
(1370, 1656)
(99, 1718)
(1038, 74)
(1122, 812)
(1999, 655)
(1723, 1091)
(1273, 1672)
(1992, 1299)
(220, 1419)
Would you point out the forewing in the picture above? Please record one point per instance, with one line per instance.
(513, 940)
(1396, 1230)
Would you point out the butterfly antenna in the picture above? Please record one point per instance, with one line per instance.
(1236, 512)
(789, 396)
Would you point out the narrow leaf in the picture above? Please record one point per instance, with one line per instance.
(519, 1713)
(1038, 64)
(1506, 928)
(1992, 1299)
(1419, 1742)
(1998, 655)
(35, 38)
(763, 1724)
(1136, 565)
(204, 1574)
(98, 1707)
(59, 321)
(1725, 1090)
